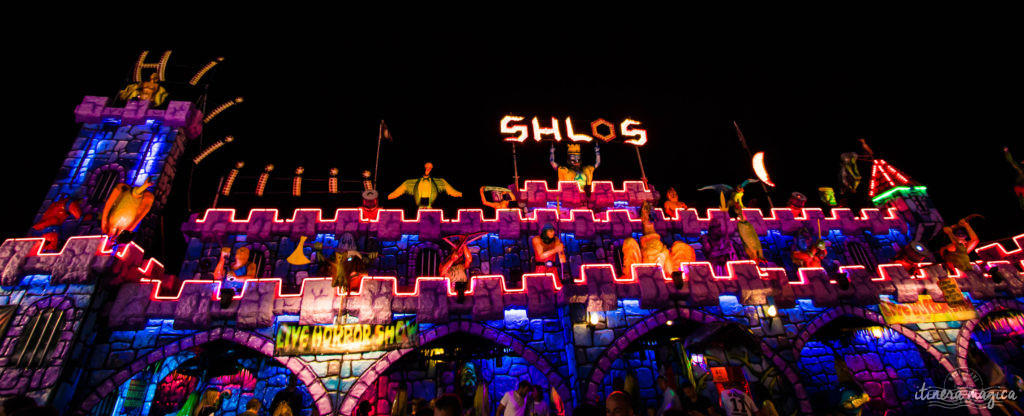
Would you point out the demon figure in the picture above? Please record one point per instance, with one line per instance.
(425, 189)
(796, 203)
(347, 266)
(55, 214)
(650, 249)
(962, 240)
(672, 203)
(125, 208)
(456, 266)
(1018, 188)
(546, 247)
(717, 245)
(575, 171)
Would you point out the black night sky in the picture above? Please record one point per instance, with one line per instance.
(935, 106)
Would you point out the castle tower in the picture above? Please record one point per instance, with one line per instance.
(124, 142)
(891, 188)
(51, 303)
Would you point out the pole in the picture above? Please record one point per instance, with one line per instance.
(216, 195)
(515, 166)
(643, 175)
(750, 155)
(376, 164)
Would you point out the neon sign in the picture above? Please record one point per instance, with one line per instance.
(520, 130)
(343, 339)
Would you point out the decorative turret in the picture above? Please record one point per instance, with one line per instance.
(891, 188)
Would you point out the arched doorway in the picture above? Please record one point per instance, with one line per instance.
(850, 348)
(380, 383)
(711, 347)
(998, 332)
(227, 352)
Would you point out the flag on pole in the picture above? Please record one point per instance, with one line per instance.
(384, 133)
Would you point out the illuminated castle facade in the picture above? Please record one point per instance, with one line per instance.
(99, 328)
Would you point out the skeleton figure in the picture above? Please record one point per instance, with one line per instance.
(849, 175)
(650, 249)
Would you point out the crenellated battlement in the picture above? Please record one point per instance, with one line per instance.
(433, 299)
(391, 224)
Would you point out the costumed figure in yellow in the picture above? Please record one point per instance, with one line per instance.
(575, 171)
(650, 249)
(425, 189)
(125, 208)
(147, 91)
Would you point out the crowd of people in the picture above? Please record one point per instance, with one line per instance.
(733, 401)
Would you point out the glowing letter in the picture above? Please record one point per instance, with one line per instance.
(572, 135)
(641, 134)
(507, 128)
(282, 337)
(538, 131)
(611, 129)
(389, 334)
(317, 338)
(304, 338)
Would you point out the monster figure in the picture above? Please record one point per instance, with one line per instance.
(425, 189)
(582, 175)
(241, 267)
(502, 197)
(812, 257)
(125, 208)
(368, 210)
(672, 203)
(55, 214)
(456, 266)
(962, 241)
(796, 203)
(735, 195)
(1018, 188)
(347, 266)
(546, 247)
(828, 197)
(717, 245)
(650, 249)
(849, 175)
(146, 91)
